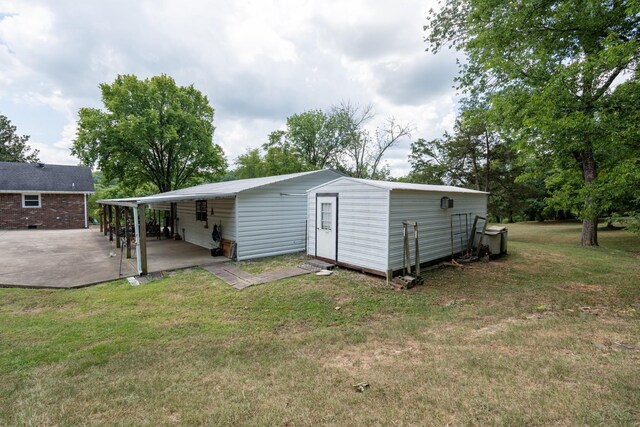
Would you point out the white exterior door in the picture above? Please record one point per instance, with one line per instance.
(326, 227)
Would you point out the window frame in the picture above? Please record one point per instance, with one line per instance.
(201, 210)
(329, 214)
(25, 206)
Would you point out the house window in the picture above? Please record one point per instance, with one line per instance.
(30, 200)
(201, 210)
(325, 216)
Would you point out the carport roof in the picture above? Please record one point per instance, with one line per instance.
(216, 190)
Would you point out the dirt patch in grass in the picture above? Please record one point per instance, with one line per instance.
(583, 287)
(32, 308)
(371, 354)
(293, 328)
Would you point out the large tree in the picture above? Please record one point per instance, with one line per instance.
(13, 147)
(150, 131)
(552, 68)
(336, 138)
(363, 154)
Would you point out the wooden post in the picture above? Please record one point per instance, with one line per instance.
(110, 223)
(127, 236)
(117, 208)
(173, 220)
(143, 240)
(100, 216)
(105, 219)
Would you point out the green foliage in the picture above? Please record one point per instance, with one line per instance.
(337, 138)
(150, 131)
(317, 137)
(13, 147)
(113, 189)
(275, 160)
(560, 75)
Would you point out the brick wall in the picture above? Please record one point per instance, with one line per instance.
(56, 211)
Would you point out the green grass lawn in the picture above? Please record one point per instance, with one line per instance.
(548, 335)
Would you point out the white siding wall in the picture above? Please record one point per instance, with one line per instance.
(272, 224)
(434, 224)
(224, 213)
(362, 223)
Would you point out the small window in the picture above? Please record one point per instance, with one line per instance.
(30, 200)
(201, 210)
(325, 216)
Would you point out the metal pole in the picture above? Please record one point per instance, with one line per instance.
(143, 240)
(84, 197)
(415, 232)
(127, 234)
(137, 231)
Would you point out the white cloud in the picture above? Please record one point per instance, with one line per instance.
(257, 61)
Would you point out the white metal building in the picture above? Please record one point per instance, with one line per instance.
(357, 223)
(262, 216)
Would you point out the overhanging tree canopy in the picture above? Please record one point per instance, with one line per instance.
(150, 131)
(553, 70)
(13, 147)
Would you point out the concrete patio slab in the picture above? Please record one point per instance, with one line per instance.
(77, 258)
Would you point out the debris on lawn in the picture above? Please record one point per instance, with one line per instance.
(324, 273)
(337, 308)
(599, 310)
(455, 301)
(361, 387)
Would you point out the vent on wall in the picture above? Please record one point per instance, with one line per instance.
(446, 203)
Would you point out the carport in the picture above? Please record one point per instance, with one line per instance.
(116, 214)
(82, 257)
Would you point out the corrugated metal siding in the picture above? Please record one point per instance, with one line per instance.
(272, 224)
(362, 223)
(161, 206)
(434, 224)
(224, 213)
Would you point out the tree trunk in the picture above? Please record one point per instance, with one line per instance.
(589, 232)
(589, 226)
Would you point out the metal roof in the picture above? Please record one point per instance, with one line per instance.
(215, 190)
(394, 185)
(43, 178)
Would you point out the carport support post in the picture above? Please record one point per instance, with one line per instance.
(110, 223)
(101, 225)
(104, 218)
(127, 236)
(143, 240)
(117, 227)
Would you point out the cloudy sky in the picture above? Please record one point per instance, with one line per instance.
(257, 61)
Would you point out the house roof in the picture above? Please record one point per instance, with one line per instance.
(394, 185)
(40, 177)
(216, 190)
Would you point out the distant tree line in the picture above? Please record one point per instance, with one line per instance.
(337, 138)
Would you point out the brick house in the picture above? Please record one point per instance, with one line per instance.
(38, 195)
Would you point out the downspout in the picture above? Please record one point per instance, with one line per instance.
(84, 197)
(135, 225)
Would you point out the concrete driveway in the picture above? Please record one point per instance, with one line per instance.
(76, 258)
